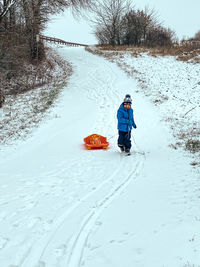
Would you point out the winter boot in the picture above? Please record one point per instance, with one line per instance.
(121, 148)
(127, 152)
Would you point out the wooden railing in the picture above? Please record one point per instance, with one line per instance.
(59, 41)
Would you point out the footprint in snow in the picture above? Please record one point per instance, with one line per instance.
(33, 222)
(3, 242)
(61, 250)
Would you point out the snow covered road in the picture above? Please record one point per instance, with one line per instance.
(63, 206)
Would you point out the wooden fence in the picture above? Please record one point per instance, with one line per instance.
(59, 41)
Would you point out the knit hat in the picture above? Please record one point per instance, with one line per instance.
(127, 99)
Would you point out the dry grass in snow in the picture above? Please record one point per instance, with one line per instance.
(26, 107)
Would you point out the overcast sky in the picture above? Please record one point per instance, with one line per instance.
(182, 16)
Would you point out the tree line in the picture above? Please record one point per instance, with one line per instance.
(117, 22)
(21, 21)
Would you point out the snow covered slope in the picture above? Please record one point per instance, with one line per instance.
(63, 206)
(173, 86)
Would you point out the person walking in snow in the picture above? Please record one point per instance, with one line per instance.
(125, 124)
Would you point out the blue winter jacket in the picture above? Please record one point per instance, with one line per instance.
(125, 119)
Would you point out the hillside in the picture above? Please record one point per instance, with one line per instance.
(62, 205)
(171, 84)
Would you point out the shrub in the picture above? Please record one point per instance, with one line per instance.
(193, 145)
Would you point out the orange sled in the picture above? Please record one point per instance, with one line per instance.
(96, 141)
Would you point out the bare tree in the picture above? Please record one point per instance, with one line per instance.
(132, 32)
(136, 25)
(2, 98)
(160, 36)
(117, 23)
(5, 6)
(108, 17)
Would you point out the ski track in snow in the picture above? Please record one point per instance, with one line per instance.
(56, 194)
(76, 245)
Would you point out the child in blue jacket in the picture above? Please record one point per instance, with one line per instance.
(125, 124)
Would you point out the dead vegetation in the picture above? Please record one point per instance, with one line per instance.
(26, 77)
(189, 141)
(180, 52)
(2, 99)
(193, 145)
(27, 105)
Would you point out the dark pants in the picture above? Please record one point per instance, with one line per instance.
(124, 139)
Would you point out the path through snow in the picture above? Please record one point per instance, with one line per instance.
(64, 206)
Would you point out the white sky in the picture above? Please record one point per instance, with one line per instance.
(182, 16)
(66, 27)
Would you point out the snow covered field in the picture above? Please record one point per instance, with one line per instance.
(61, 205)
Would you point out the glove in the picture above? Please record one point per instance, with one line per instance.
(129, 123)
(135, 126)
